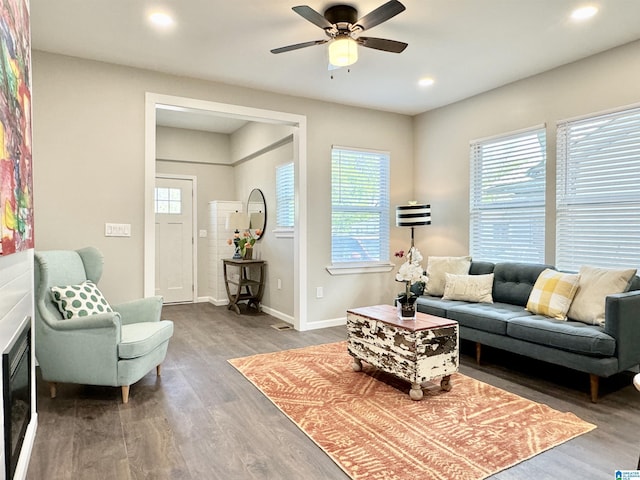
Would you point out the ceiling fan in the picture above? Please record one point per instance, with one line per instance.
(341, 24)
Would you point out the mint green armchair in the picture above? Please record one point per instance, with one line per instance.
(112, 348)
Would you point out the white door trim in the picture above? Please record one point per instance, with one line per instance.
(194, 225)
(300, 300)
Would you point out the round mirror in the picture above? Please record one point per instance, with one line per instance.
(257, 210)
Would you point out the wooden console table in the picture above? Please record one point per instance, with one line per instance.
(253, 287)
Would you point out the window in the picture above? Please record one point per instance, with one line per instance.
(359, 206)
(598, 191)
(168, 200)
(507, 195)
(285, 200)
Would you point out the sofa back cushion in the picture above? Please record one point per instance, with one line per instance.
(481, 268)
(513, 282)
(634, 284)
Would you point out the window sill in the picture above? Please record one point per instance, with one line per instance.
(283, 232)
(358, 268)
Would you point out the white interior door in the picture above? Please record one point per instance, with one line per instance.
(174, 239)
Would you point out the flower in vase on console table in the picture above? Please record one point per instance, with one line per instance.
(245, 242)
(411, 273)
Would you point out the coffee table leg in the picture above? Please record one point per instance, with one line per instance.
(356, 365)
(445, 383)
(416, 392)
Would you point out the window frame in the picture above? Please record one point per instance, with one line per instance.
(511, 225)
(596, 184)
(285, 200)
(344, 187)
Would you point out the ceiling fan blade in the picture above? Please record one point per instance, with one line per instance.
(297, 46)
(311, 15)
(381, 14)
(382, 44)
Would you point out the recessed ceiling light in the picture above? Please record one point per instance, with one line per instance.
(161, 19)
(584, 13)
(426, 82)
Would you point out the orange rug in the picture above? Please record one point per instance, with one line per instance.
(371, 428)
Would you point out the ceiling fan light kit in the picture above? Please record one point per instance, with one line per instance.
(341, 24)
(343, 51)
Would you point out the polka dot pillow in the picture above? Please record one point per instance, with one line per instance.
(80, 300)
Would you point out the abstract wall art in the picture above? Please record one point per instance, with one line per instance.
(16, 174)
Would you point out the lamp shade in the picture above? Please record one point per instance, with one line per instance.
(413, 215)
(237, 221)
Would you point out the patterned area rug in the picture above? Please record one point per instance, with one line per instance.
(371, 428)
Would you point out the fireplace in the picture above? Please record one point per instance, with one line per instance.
(16, 379)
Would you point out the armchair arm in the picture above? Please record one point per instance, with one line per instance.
(101, 320)
(79, 350)
(622, 321)
(141, 310)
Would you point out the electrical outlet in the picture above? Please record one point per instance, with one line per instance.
(279, 284)
(319, 292)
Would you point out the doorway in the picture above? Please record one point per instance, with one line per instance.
(299, 122)
(176, 264)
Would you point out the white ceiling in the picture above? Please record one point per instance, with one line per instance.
(193, 119)
(467, 46)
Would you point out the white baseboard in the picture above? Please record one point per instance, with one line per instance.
(278, 314)
(335, 322)
(213, 301)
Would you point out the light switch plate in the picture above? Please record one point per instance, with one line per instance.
(117, 229)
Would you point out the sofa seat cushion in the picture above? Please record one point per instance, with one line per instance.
(569, 335)
(139, 339)
(436, 305)
(489, 317)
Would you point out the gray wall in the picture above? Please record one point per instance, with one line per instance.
(605, 81)
(88, 131)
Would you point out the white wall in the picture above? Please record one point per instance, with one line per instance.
(88, 149)
(604, 81)
(181, 144)
(278, 252)
(16, 305)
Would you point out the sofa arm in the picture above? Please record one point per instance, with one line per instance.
(622, 321)
(141, 310)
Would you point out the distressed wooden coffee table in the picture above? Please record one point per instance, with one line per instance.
(414, 350)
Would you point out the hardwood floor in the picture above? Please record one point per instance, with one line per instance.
(203, 420)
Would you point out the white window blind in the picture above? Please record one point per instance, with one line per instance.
(598, 191)
(359, 206)
(507, 196)
(285, 200)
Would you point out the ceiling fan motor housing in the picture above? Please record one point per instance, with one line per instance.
(341, 14)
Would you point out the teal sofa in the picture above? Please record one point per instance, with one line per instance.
(600, 351)
(112, 348)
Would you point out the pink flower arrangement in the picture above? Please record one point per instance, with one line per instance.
(244, 240)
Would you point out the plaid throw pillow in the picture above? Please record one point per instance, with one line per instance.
(552, 294)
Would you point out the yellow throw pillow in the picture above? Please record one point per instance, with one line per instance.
(470, 288)
(594, 286)
(552, 294)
